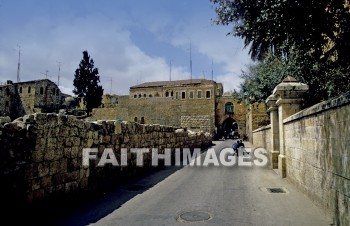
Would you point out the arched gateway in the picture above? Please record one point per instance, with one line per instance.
(230, 128)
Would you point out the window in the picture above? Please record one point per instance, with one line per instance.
(53, 91)
(177, 95)
(183, 95)
(135, 119)
(228, 108)
(144, 95)
(142, 120)
(139, 95)
(166, 93)
(135, 96)
(199, 94)
(29, 89)
(172, 93)
(7, 91)
(20, 89)
(41, 90)
(207, 94)
(150, 95)
(191, 95)
(57, 92)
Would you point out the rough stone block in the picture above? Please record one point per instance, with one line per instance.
(49, 155)
(43, 169)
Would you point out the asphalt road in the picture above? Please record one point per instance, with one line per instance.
(211, 195)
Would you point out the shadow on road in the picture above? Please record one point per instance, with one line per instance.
(83, 210)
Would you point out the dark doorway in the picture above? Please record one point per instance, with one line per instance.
(230, 128)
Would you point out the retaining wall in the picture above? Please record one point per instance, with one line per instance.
(41, 154)
(317, 144)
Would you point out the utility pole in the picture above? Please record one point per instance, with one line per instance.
(59, 71)
(19, 63)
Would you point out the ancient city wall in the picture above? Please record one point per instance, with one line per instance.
(41, 154)
(317, 149)
(164, 111)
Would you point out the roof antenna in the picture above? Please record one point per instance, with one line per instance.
(19, 63)
(59, 71)
(170, 72)
(111, 85)
(191, 59)
(212, 69)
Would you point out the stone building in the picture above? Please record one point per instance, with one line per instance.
(18, 99)
(195, 104)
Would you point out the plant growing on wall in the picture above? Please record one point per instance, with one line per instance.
(86, 83)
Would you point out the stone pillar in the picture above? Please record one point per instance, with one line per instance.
(289, 98)
(275, 149)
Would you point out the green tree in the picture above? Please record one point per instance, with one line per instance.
(86, 85)
(308, 40)
(260, 78)
(317, 26)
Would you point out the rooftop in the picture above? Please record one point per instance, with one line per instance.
(173, 83)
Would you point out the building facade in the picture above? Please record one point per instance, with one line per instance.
(195, 104)
(18, 99)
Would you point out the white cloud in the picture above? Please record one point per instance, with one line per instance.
(107, 37)
(108, 44)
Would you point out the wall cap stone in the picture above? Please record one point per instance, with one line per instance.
(262, 128)
(290, 88)
(320, 107)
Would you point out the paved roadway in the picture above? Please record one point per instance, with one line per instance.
(217, 196)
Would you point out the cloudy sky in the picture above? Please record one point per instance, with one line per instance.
(131, 42)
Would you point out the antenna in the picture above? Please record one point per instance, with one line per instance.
(19, 63)
(111, 84)
(191, 58)
(45, 73)
(203, 72)
(170, 72)
(59, 71)
(212, 69)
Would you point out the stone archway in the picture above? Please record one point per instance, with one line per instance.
(228, 126)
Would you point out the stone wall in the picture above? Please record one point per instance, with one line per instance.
(18, 99)
(39, 96)
(256, 117)
(316, 143)
(239, 112)
(262, 137)
(166, 103)
(7, 93)
(41, 154)
(160, 110)
(198, 122)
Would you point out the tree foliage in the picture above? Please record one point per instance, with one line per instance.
(317, 26)
(86, 81)
(308, 40)
(259, 79)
